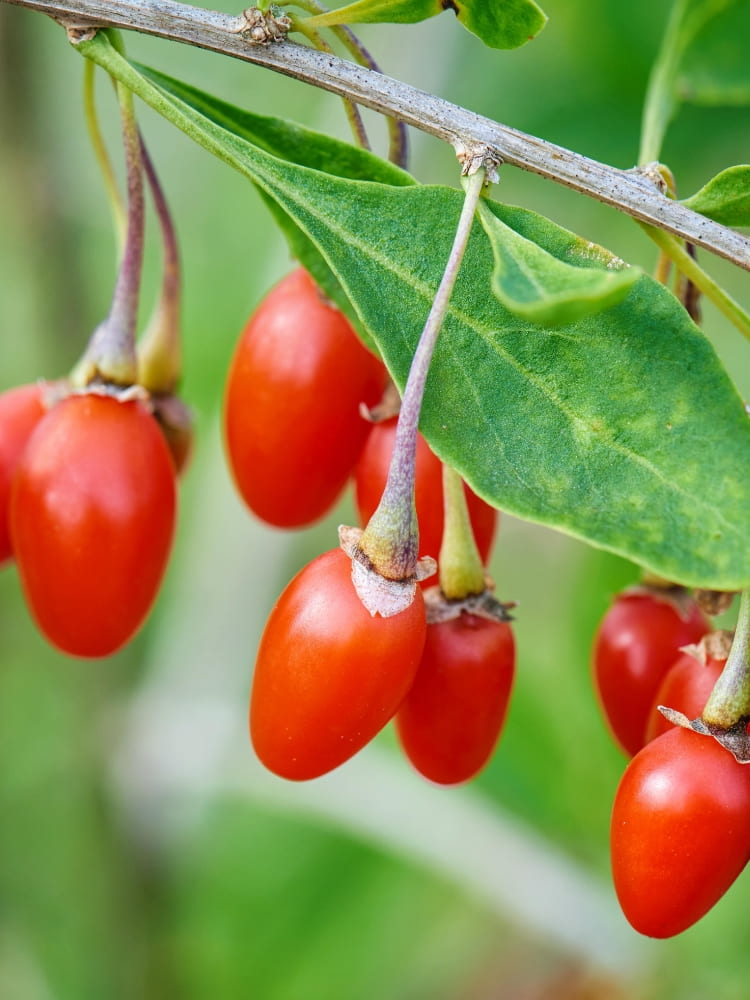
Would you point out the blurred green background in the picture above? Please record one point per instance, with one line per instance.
(143, 852)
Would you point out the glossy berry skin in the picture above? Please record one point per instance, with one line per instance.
(686, 687)
(680, 831)
(291, 411)
(328, 675)
(452, 717)
(372, 472)
(21, 409)
(92, 519)
(638, 641)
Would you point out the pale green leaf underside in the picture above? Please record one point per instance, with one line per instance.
(501, 24)
(622, 429)
(541, 288)
(726, 197)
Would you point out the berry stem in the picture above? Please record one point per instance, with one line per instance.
(102, 156)
(398, 152)
(391, 539)
(729, 702)
(461, 572)
(159, 349)
(110, 355)
(352, 111)
(702, 281)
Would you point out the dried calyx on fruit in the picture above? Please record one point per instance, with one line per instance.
(726, 713)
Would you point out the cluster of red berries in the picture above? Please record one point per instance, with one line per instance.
(87, 509)
(680, 832)
(329, 674)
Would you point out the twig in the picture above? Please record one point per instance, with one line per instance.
(627, 190)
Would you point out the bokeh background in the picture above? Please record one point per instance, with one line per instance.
(143, 851)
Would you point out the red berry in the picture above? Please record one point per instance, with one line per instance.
(452, 717)
(92, 517)
(680, 831)
(686, 687)
(637, 642)
(291, 414)
(370, 478)
(329, 675)
(21, 409)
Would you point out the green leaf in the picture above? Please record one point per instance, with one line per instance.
(501, 24)
(622, 428)
(715, 67)
(698, 61)
(537, 286)
(726, 197)
(299, 144)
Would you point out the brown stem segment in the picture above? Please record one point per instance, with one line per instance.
(626, 190)
(729, 703)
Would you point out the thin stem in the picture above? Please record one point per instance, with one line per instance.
(702, 281)
(658, 105)
(729, 702)
(124, 312)
(685, 21)
(111, 354)
(102, 156)
(460, 568)
(626, 190)
(663, 268)
(398, 151)
(159, 349)
(353, 115)
(391, 538)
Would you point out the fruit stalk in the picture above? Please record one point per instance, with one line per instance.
(461, 572)
(110, 355)
(729, 702)
(391, 539)
(159, 349)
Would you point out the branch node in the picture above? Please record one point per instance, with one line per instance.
(78, 31)
(473, 157)
(657, 175)
(258, 27)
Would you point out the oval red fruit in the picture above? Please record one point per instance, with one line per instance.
(21, 409)
(637, 642)
(291, 411)
(452, 717)
(371, 475)
(328, 675)
(680, 831)
(92, 519)
(686, 687)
